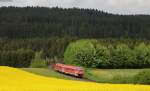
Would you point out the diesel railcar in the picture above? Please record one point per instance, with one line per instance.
(71, 70)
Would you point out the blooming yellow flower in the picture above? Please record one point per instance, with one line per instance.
(13, 79)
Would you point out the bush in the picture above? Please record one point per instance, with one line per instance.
(38, 62)
(122, 57)
(79, 52)
(86, 53)
(85, 58)
(143, 77)
(101, 56)
(142, 53)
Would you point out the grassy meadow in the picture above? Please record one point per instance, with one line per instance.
(97, 75)
(48, 73)
(112, 75)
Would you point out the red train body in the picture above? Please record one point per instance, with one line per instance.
(71, 70)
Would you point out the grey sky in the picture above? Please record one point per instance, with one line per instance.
(113, 6)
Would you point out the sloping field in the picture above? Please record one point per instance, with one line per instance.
(12, 79)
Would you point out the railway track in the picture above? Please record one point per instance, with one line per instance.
(76, 78)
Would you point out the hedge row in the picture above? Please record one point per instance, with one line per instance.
(91, 53)
(18, 58)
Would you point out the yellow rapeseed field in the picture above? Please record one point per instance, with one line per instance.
(12, 79)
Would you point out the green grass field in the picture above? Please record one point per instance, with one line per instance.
(48, 73)
(112, 75)
(98, 75)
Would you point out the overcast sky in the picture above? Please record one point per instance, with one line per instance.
(112, 6)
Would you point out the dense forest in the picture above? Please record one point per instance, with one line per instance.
(26, 31)
(29, 22)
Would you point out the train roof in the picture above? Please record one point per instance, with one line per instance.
(69, 66)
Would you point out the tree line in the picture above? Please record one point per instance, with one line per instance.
(31, 22)
(20, 52)
(92, 53)
(55, 50)
(18, 58)
(50, 47)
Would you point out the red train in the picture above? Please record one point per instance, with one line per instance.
(71, 70)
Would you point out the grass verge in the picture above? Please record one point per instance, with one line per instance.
(97, 75)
